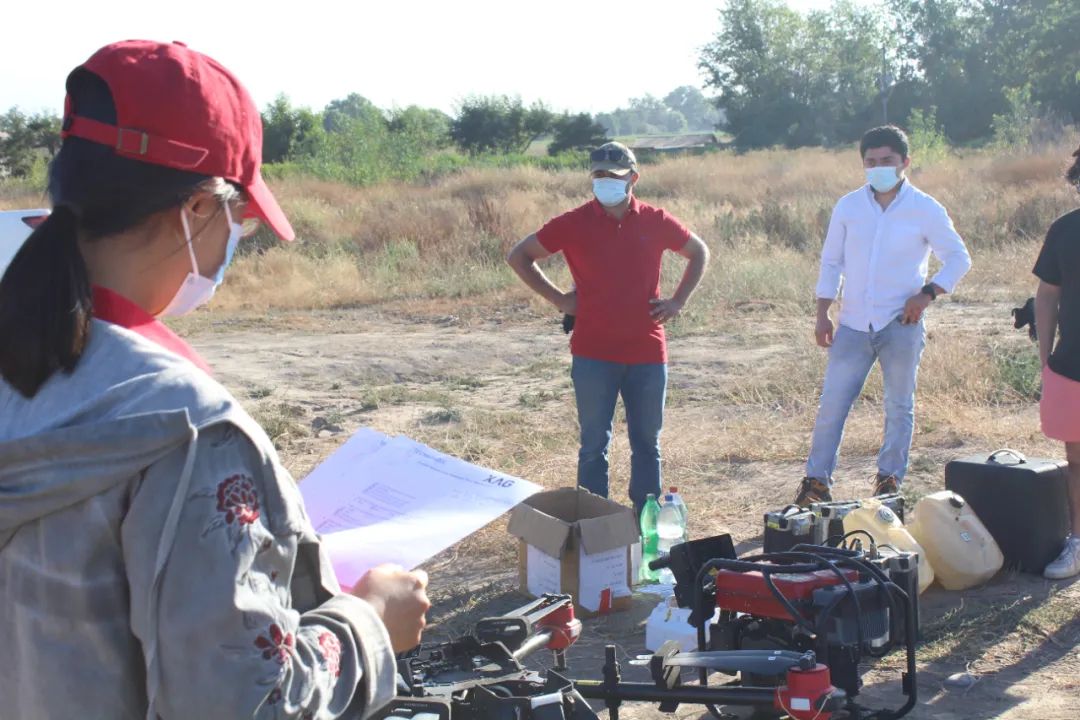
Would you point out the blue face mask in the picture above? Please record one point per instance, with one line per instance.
(610, 191)
(236, 231)
(197, 290)
(883, 178)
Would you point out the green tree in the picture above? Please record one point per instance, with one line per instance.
(44, 128)
(754, 64)
(363, 152)
(928, 142)
(16, 147)
(1014, 128)
(539, 121)
(958, 60)
(290, 132)
(691, 103)
(610, 122)
(499, 123)
(26, 140)
(646, 115)
(481, 124)
(1035, 45)
(429, 127)
(972, 57)
(793, 79)
(350, 109)
(576, 132)
(656, 117)
(846, 83)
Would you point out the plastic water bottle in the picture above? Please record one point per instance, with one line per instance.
(677, 501)
(649, 538)
(671, 529)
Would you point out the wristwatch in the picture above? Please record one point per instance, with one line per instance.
(929, 289)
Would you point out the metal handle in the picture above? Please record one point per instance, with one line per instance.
(1020, 459)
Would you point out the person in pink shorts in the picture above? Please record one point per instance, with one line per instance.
(1057, 316)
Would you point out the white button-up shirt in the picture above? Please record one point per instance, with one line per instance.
(882, 256)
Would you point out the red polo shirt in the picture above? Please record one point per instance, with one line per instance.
(118, 310)
(616, 270)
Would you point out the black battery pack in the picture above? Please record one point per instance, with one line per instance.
(784, 529)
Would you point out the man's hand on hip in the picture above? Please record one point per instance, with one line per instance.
(823, 331)
(914, 308)
(567, 304)
(664, 310)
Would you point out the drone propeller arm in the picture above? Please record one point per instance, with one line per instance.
(757, 662)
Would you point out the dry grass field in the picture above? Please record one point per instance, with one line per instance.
(396, 311)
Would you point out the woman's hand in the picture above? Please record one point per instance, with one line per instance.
(400, 599)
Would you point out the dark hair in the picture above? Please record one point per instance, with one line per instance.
(46, 301)
(1073, 173)
(888, 136)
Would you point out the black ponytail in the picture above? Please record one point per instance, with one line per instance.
(45, 304)
(46, 299)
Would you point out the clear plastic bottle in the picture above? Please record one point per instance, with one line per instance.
(649, 538)
(671, 530)
(677, 501)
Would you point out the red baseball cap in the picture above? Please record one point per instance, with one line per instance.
(181, 109)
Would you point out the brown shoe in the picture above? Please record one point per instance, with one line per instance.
(812, 491)
(885, 484)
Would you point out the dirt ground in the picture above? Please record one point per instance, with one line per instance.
(495, 389)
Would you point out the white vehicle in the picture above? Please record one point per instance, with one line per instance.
(15, 227)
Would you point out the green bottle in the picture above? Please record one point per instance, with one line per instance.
(650, 540)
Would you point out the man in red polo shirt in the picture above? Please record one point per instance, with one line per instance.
(614, 244)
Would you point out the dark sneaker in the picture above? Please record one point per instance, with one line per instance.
(812, 491)
(885, 484)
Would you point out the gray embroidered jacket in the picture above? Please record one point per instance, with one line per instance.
(156, 559)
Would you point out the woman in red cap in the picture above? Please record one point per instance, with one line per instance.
(155, 558)
(1057, 317)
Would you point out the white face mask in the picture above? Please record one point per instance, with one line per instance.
(197, 290)
(610, 191)
(883, 178)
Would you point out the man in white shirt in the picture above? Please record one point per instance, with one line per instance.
(878, 245)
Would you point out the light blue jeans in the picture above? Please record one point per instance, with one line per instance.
(853, 353)
(597, 386)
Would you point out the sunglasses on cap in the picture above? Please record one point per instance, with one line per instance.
(608, 155)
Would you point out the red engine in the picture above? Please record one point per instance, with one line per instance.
(748, 592)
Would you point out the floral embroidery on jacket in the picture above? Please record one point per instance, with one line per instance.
(278, 645)
(237, 509)
(236, 498)
(331, 650)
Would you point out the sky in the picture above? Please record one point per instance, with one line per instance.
(576, 55)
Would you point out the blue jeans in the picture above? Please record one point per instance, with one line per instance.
(597, 386)
(853, 353)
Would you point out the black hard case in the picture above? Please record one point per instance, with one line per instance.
(1023, 502)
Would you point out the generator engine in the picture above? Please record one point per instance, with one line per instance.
(844, 605)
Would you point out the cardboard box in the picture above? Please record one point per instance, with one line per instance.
(575, 542)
